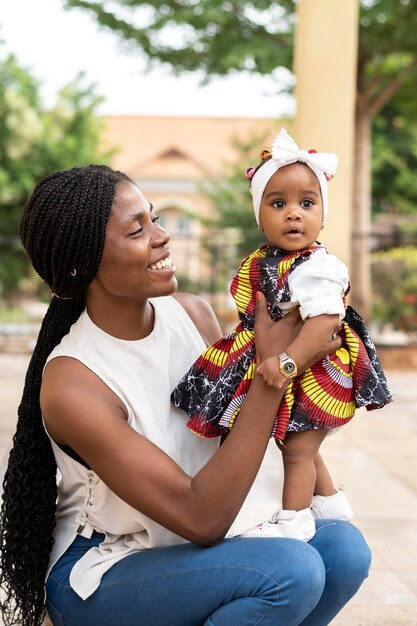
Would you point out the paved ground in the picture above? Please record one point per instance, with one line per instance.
(375, 457)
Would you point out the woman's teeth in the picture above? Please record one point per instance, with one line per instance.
(160, 265)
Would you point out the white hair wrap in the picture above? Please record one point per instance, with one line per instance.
(284, 152)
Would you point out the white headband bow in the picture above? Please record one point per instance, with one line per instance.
(284, 152)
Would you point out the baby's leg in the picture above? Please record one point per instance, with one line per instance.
(295, 519)
(324, 484)
(328, 502)
(298, 453)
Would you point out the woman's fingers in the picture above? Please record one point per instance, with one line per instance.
(334, 344)
(271, 337)
(262, 316)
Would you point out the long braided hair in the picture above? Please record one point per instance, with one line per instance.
(63, 231)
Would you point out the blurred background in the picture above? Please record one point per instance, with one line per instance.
(183, 96)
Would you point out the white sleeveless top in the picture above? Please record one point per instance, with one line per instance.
(142, 374)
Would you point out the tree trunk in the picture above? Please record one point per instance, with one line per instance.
(360, 271)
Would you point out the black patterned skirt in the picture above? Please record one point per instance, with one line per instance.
(324, 397)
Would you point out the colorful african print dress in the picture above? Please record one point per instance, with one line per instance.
(324, 397)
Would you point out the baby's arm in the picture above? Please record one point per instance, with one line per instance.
(318, 287)
(308, 343)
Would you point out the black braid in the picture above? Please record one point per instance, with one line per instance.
(63, 231)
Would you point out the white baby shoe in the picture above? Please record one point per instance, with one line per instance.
(332, 507)
(284, 523)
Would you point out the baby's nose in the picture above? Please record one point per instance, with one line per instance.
(293, 214)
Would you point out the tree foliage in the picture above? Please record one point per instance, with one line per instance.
(394, 277)
(223, 36)
(394, 188)
(215, 36)
(34, 142)
(231, 196)
(387, 55)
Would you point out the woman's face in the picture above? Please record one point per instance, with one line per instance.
(136, 262)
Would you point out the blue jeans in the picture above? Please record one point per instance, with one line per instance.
(242, 581)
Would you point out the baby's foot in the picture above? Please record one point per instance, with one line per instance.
(332, 507)
(284, 523)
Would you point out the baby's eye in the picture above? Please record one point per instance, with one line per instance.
(278, 204)
(306, 204)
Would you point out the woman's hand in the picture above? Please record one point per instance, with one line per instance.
(271, 337)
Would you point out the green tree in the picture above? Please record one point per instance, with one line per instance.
(215, 36)
(232, 232)
(394, 276)
(20, 127)
(387, 68)
(225, 36)
(232, 198)
(394, 183)
(34, 142)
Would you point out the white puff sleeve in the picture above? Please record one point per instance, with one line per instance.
(318, 285)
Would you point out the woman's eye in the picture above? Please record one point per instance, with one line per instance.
(138, 231)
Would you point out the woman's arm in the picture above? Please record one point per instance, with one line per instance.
(82, 412)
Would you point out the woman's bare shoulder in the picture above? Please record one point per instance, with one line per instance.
(202, 315)
(68, 385)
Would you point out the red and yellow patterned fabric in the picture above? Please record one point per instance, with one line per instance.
(324, 397)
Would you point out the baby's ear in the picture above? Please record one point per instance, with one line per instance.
(322, 226)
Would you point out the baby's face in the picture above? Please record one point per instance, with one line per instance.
(291, 211)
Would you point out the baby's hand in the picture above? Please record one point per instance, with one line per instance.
(269, 370)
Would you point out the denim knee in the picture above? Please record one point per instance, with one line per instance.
(350, 554)
(288, 578)
(305, 577)
(309, 576)
(358, 561)
(346, 556)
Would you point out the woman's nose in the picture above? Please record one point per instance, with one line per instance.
(160, 237)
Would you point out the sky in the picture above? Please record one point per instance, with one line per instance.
(55, 45)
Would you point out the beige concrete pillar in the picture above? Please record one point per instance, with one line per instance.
(325, 68)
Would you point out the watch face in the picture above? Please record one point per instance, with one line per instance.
(289, 368)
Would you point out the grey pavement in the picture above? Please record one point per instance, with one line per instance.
(374, 457)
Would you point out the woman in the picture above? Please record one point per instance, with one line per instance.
(139, 496)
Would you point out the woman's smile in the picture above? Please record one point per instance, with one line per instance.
(165, 263)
